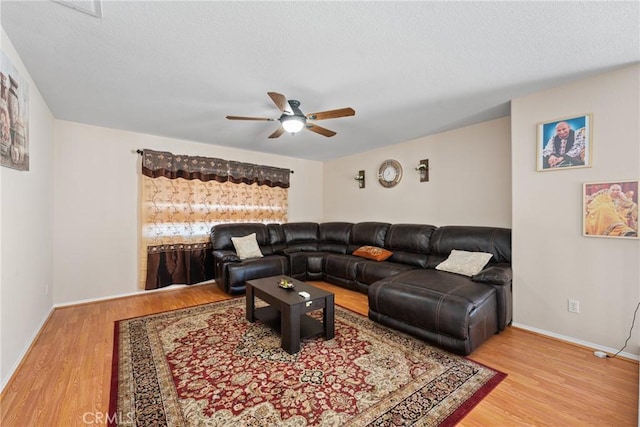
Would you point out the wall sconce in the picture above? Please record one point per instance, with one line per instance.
(423, 170)
(360, 179)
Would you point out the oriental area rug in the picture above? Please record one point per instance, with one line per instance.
(208, 366)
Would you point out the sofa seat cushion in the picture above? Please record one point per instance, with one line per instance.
(440, 302)
(371, 271)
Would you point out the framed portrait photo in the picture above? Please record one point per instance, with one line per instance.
(564, 143)
(610, 209)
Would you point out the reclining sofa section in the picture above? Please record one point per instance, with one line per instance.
(405, 291)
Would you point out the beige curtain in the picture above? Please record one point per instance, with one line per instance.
(177, 213)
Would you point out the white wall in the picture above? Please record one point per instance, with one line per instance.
(96, 203)
(552, 261)
(26, 228)
(469, 180)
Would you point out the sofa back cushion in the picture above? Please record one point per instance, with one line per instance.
(276, 237)
(334, 237)
(221, 235)
(496, 241)
(409, 243)
(301, 236)
(367, 233)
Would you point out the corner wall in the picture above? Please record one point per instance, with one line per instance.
(26, 227)
(552, 261)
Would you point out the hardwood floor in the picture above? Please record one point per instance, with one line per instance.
(65, 378)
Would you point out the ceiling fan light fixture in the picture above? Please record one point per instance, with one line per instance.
(293, 120)
(293, 124)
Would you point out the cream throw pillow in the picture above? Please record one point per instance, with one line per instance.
(247, 246)
(463, 262)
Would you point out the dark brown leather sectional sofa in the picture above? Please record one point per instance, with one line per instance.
(405, 292)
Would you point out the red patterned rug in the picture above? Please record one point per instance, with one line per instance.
(207, 365)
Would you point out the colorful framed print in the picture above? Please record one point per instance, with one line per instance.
(14, 117)
(564, 143)
(610, 209)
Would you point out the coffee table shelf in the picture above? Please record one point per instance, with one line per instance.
(309, 327)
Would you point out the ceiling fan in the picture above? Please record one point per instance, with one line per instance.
(293, 120)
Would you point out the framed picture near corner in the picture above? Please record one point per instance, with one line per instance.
(610, 209)
(14, 117)
(564, 143)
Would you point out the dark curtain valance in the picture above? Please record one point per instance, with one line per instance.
(168, 165)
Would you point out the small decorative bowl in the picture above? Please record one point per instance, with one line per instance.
(285, 284)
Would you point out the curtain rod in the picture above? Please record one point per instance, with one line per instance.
(140, 152)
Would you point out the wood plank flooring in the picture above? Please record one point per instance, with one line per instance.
(65, 378)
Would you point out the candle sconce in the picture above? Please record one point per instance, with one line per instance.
(360, 179)
(423, 170)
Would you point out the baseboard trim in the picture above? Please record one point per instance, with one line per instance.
(130, 294)
(581, 343)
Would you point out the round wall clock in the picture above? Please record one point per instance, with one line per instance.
(390, 173)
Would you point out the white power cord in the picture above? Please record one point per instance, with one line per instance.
(603, 355)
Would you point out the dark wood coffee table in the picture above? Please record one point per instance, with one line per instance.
(287, 310)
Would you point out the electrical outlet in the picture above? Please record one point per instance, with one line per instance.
(573, 306)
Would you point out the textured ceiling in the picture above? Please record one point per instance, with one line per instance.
(409, 69)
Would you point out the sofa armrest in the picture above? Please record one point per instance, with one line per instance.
(496, 274)
(226, 256)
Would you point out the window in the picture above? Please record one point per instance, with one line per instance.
(182, 197)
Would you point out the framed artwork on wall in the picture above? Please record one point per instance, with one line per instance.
(564, 143)
(610, 209)
(14, 117)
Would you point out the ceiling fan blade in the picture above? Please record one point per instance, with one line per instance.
(249, 118)
(281, 102)
(332, 114)
(322, 131)
(277, 133)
